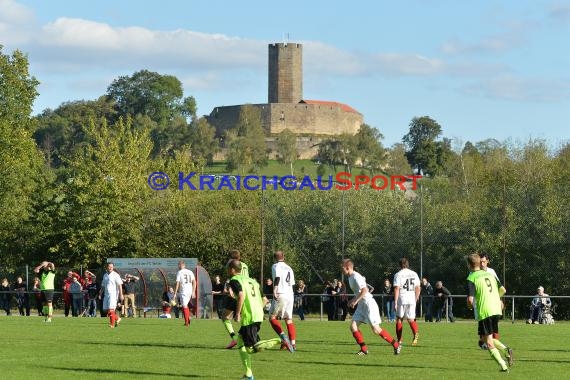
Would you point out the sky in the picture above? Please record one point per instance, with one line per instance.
(482, 69)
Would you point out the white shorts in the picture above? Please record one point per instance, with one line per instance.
(110, 302)
(184, 299)
(367, 312)
(283, 307)
(406, 311)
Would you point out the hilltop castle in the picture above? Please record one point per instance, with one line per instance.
(311, 120)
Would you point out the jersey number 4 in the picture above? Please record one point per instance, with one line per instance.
(409, 284)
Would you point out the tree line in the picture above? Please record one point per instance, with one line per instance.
(73, 186)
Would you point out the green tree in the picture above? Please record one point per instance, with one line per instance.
(21, 163)
(203, 141)
(246, 141)
(102, 193)
(149, 93)
(60, 131)
(420, 141)
(397, 162)
(287, 148)
(369, 147)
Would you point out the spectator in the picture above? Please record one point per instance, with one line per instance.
(5, 296)
(300, 299)
(388, 292)
(267, 292)
(128, 307)
(37, 295)
(329, 299)
(168, 301)
(67, 300)
(22, 296)
(92, 288)
(443, 302)
(341, 301)
(539, 302)
(218, 294)
(76, 292)
(427, 299)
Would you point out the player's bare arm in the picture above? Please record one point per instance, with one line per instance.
(275, 285)
(396, 296)
(353, 302)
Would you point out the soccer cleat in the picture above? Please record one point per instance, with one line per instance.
(47, 320)
(285, 342)
(510, 358)
(415, 341)
(232, 344)
(248, 377)
(117, 322)
(362, 352)
(398, 349)
(112, 326)
(506, 369)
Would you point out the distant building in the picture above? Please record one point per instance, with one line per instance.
(310, 120)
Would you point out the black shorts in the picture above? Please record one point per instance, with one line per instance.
(250, 334)
(230, 304)
(47, 295)
(489, 326)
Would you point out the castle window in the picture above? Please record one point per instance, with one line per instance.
(282, 117)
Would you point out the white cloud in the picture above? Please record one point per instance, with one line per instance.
(513, 88)
(16, 23)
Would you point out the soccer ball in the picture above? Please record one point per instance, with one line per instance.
(173, 303)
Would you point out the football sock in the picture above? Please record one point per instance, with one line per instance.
(414, 326)
(112, 317)
(360, 340)
(500, 346)
(45, 310)
(276, 326)
(388, 338)
(186, 312)
(246, 360)
(229, 328)
(292, 332)
(495, 354)
(399, 330)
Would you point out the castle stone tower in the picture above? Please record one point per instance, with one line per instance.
(285, 73)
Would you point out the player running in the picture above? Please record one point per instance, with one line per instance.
(366, 310)
(406, 294)
(230, 307)
(249, 312)
(185, 287)
(483, 287)
(283, 300)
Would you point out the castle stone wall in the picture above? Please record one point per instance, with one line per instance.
(300, 118)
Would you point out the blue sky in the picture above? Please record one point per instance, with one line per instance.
(484, 69)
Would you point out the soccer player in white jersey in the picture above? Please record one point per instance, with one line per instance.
(366, 309)
(112, 285)
(185, 287)
(407, 290)
(484, 256)
(283, 299)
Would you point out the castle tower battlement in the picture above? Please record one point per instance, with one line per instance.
(285, 84)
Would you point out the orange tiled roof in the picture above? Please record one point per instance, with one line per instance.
(344, 107)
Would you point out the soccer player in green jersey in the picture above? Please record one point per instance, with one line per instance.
(230, 306)
(249, 312)
(483, 287)
(46, 271)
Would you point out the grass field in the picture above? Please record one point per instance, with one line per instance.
(85, 348)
